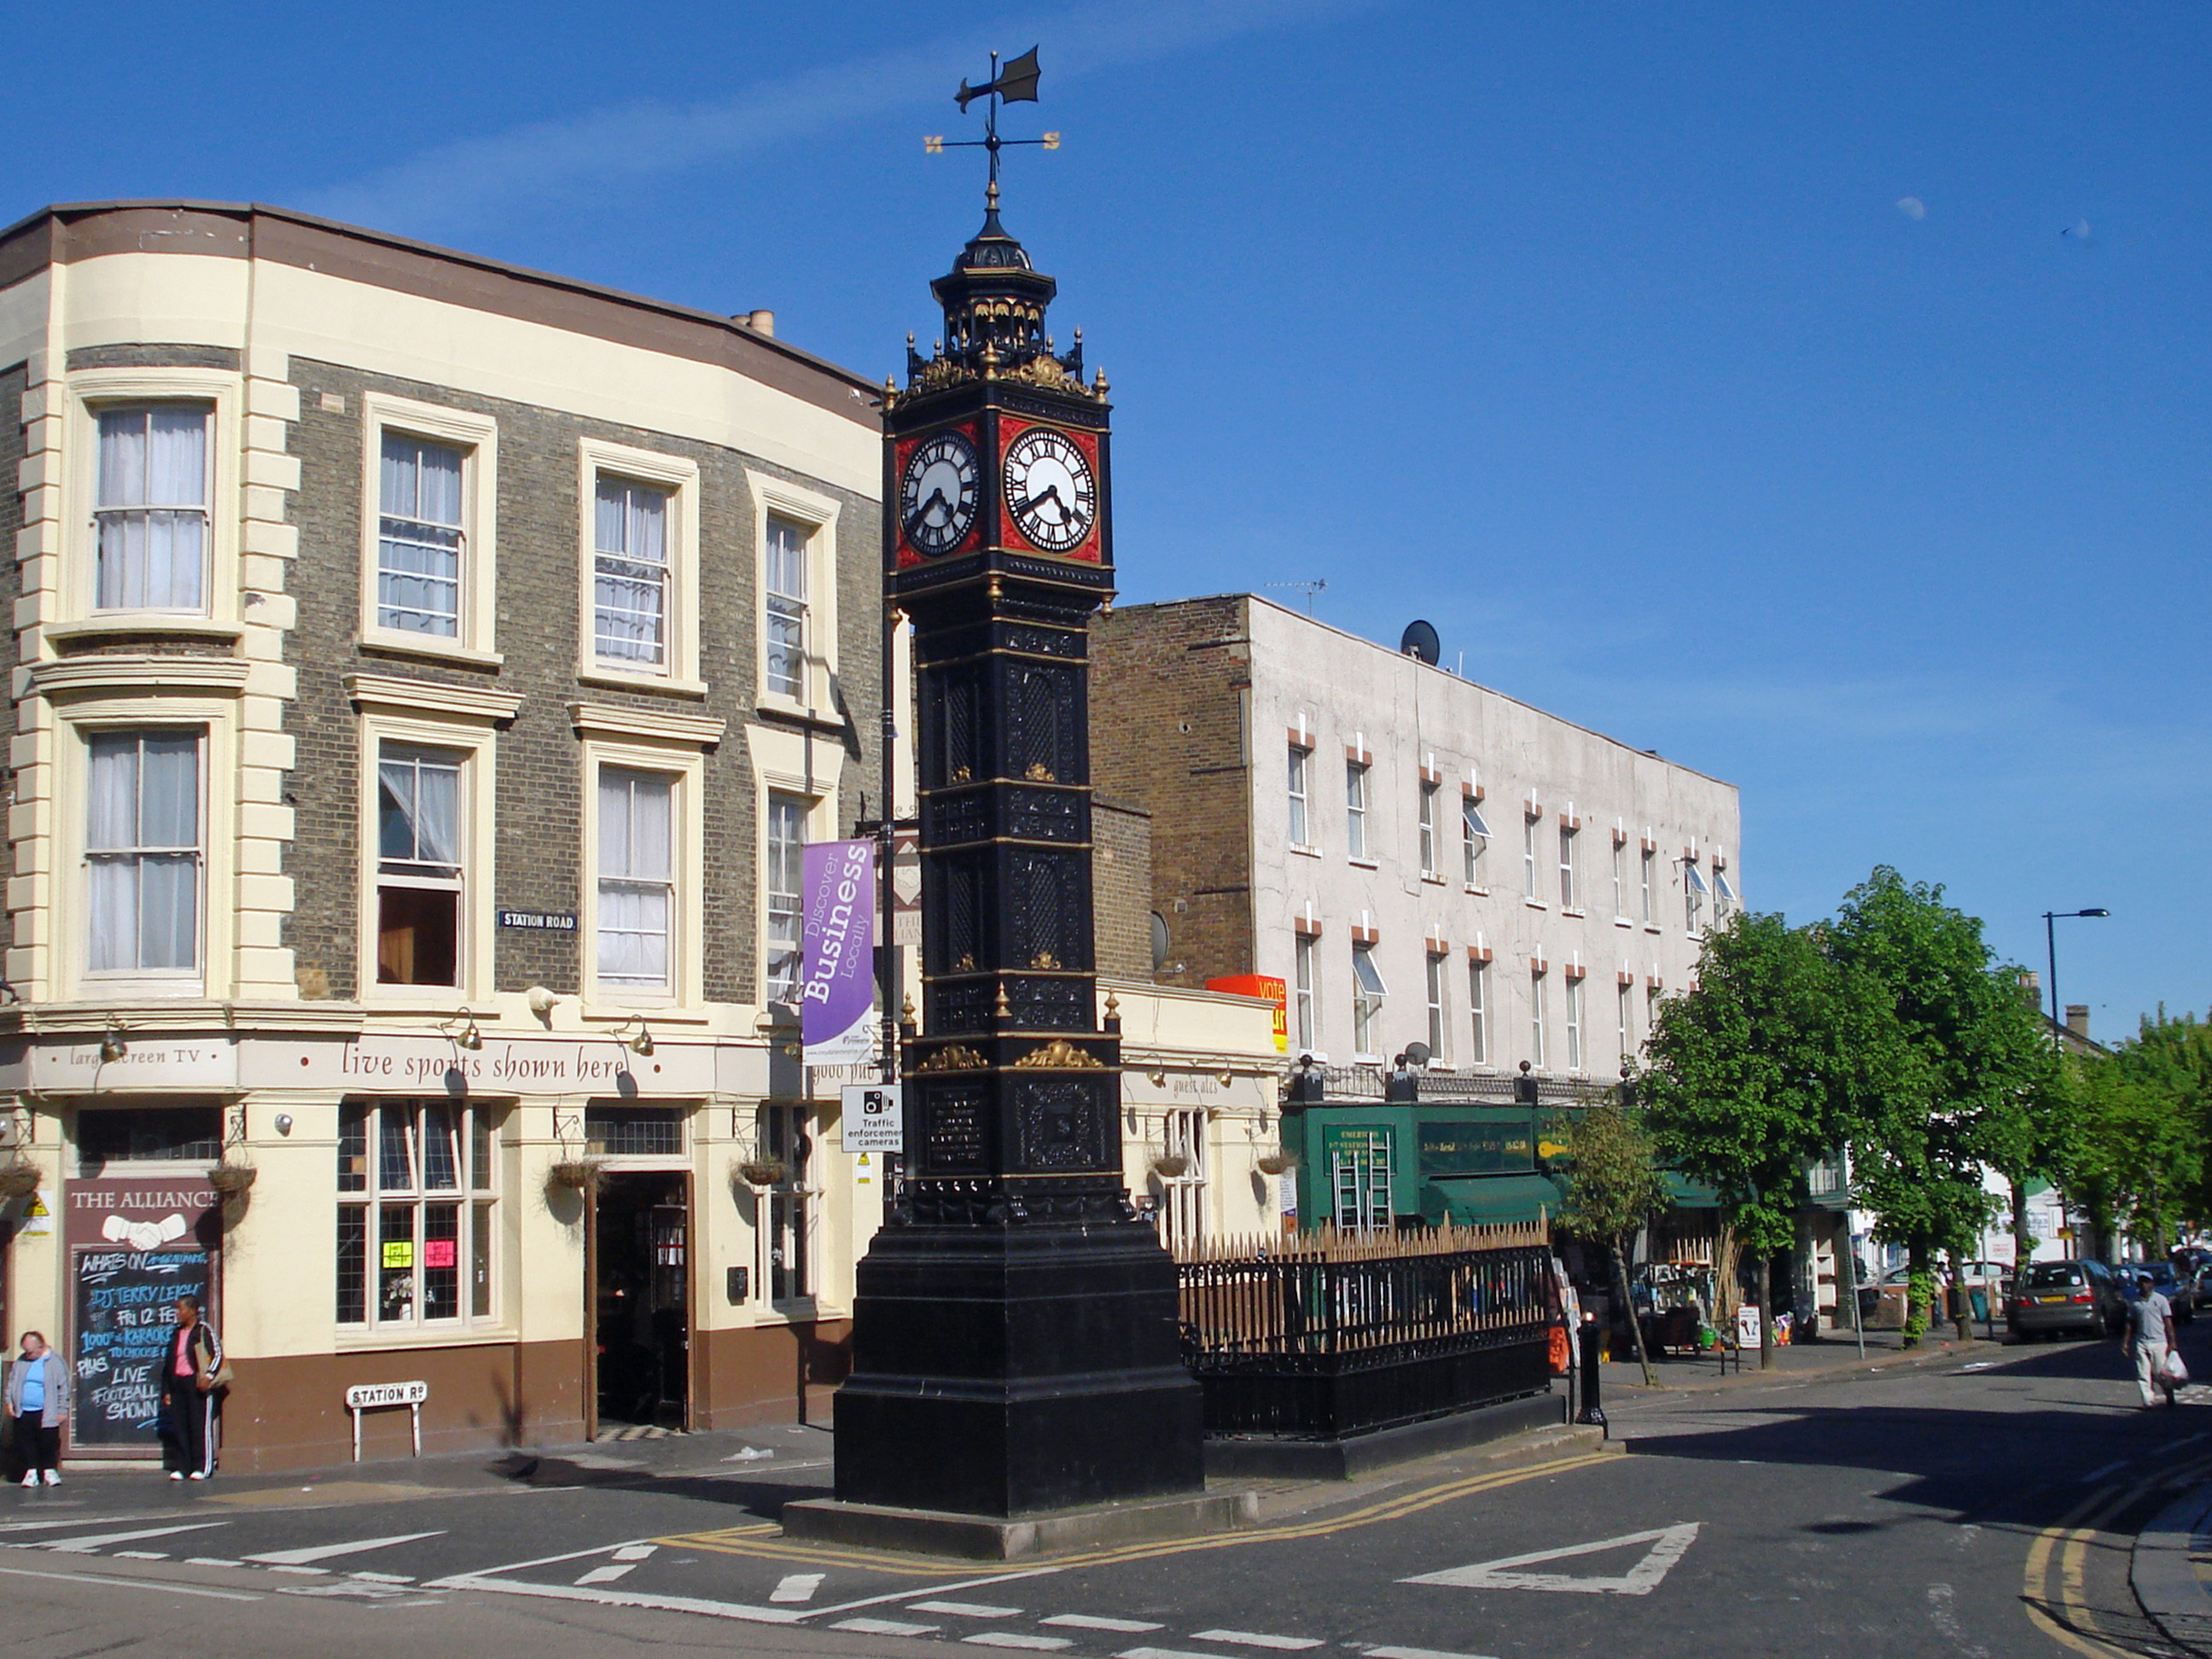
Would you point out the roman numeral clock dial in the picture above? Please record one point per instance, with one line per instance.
(938, 492)
(1050, 490)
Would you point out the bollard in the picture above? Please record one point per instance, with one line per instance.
(1593, 1411)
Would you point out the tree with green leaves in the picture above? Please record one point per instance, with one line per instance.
(2146, 1110)
(1983, 1061)
(1613, 1188)
(1769, 1062)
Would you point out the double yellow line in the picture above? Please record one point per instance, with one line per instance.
(2065, 1546)
(765, 1540)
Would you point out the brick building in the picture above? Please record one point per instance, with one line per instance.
(426, 673)
(1417, 857)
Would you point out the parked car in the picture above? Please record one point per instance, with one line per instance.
(2077, 1299)
(2179, 1294)
(2200, 1287)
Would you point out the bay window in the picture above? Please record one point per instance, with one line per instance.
(150, 507)
(143, 852)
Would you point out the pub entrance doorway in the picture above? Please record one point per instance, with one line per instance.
(642, 1298)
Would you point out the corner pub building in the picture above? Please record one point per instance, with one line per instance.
(426, 673)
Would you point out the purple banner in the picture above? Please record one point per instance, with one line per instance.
(837, 993)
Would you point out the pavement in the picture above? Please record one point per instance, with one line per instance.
(1968, 1503)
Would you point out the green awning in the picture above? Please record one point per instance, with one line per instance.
(1687, 1195)
(1489, 1200)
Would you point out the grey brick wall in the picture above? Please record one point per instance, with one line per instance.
(153, 356)
(13, 382)
(1121, 884)
(540, 807)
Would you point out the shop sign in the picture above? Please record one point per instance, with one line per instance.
(74, 1066)
(545, 922)
(143, 1212)
(1455, 1149)
(123, 1321)
(367, 1397)
(504, 1066)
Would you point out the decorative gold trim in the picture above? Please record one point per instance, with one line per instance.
(958, 1058)
(1044, 959)
(1040, 773)
(1060, 1055)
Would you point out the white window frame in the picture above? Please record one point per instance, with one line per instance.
(476, 636)
(1574, 1023)
(685, 766)
(810, 811)
(1694, 899)
(1182, 1197)
(1620, 880)
(1355, 809)
(1529, 889)
(1570, 874)
(192, 973)
(481, 1223)
(817, 514)
(1305, 986)
(1538, 997)
(93, 389)
(679, 673)
(792, 1208)
(476, 745)
(1478, 1008)
(1474, 849)
(1648, 857)
(1367, 1005)
(1625, 1015)
(1439, 1027)
(1428, 827)
(1297, 795)
(69, 909)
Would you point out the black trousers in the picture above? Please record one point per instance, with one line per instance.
(188, 1438)
(39, 1445)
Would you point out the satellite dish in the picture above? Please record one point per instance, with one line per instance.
(1417, 1053)
(1419, 640)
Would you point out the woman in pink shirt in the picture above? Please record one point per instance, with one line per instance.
(192, 1377)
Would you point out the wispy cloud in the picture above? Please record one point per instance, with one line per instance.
(449, 186)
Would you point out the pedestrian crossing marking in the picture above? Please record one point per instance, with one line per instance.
(314, 1552)
(1668, 1546)
(1248, 1638)
(797, 1587)
(85, 1545)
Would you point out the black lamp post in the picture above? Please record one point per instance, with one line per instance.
(2050, 920)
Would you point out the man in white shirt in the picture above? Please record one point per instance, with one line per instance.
(2150, 1336)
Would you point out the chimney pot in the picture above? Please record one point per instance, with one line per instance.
(2077, 1019)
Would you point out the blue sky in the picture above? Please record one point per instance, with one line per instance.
(1817, 395)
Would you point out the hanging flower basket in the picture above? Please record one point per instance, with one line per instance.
(581, 1175)
(1275, 1164)
(1171, 1164)
(19, 1179)
(233, 1180)
(761, 1172)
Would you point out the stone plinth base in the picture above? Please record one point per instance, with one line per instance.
(994, 1538)
(1359, 1454)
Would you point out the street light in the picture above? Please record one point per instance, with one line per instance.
(2050, 920)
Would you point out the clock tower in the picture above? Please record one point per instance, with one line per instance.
(1014, 1334)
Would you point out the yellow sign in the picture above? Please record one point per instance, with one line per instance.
(399, 1253)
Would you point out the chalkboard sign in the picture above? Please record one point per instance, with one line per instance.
(126, 1319)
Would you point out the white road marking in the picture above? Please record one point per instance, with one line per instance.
(142, 1555)
(604, 1598)
(1253, 1638)
(608, 1575)
(636, 1552)
(74, 1521)
(383, 1577)
(967, 1609)
(1667, 1545)
(75, 1545)
(1014, 1639)
(132, 1584)
(304, 1573)
(330, 1551)
(797, 1587)
(211, 1561)
(1088, 1621)
(1164, 1653)
(963, 1585)
(883, 1627)
(1419, 1653)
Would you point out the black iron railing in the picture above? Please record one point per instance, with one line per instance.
(1320, 1340)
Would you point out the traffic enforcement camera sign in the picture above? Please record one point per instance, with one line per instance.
(874, 1117)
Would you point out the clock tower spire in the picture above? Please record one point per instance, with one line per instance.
(1014, 1334)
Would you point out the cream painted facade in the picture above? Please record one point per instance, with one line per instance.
(300, 338)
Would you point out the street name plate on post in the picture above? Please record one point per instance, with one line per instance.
(874, 1117)
(366, 1396)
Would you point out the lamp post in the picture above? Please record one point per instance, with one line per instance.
(2050, 920)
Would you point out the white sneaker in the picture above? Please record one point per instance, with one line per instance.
(31, 1479)
(197, 1474)
(53, 1476)
(176, 1475)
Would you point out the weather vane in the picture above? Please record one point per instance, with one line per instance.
(1017, 84)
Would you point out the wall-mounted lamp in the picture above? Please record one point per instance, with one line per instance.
(642, 1042)
(284, 1123)
(1228, 1077)
(112, 1048)
(470, 1037)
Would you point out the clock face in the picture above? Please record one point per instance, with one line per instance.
(938, 494)
(1050, 490)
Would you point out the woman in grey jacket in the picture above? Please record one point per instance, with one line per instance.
(38, 1400)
